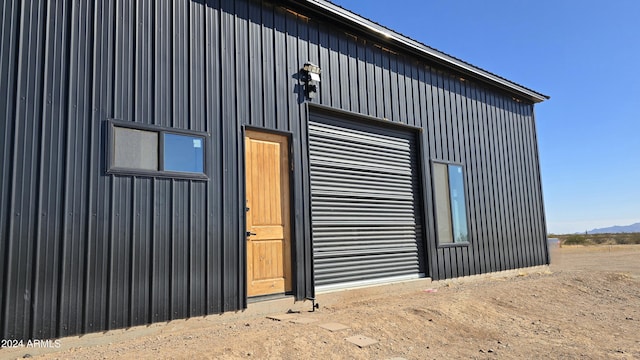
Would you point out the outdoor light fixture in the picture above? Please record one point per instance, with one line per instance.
(311, 76)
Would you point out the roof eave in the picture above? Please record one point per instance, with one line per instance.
(430, 53)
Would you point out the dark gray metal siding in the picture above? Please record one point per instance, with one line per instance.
(365, 201)
(84, 251)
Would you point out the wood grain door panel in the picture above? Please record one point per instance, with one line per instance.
(268, 214)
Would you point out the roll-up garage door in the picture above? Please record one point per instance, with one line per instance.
(364, 199)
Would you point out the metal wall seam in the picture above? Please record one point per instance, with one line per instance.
(243, 82)
(8, 84)
(538, 234)
(497, 184)
(229, 143)
(304, 52)
(466, 155)
(510, 160)
(213, 58)
(543, 227)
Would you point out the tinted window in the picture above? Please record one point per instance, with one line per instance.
(135, 149)
(458, 207)
(443, 203)
(183, 153)
(450, 204)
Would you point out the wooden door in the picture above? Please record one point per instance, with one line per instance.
(268, 217)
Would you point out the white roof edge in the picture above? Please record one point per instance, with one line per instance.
(428, 51)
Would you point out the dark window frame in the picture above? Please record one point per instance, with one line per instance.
(161, 131)
(466, 204)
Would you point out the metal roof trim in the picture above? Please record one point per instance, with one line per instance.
(432, 53)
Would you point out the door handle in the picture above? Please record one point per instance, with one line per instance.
(249, 233)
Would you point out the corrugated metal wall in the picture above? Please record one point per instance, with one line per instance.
(84, 251)
(490, 132)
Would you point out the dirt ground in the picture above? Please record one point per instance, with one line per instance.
(585, 305)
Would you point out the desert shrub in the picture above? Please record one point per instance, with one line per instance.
(575, 240)
(600, 239)
(634, 238)
(624, 240)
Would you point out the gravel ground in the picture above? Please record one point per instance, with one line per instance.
(585, 305)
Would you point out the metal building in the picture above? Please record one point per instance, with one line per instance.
(163, 160)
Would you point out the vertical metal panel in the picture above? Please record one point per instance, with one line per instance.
(308, 50)
(463, 127)
(255, 65)
(515, 187)
(538, 233)
(526, 192)
(281, 76)
(197, 67)
(416, 112)
(324, 59)
(236, 273)
(163, 61)
(179, 248)
(385, 63)
(405, 93)
(214, 210)
(352, 68)
(470, 161)
(179, 53)
(161, 254)
(370, 76)
(120, 256)
(361, 78)
(378, 83)
(496, 183)
(333, 71)
(44, 314)
(305, 282)
(506, 189)
(142, 54)
(293, 65)
(394, 113)
(425, 84)
(468, 116)
(141, 219)
(197, 272)
(485, 155)
(97, 259)
(544, 256)
(342, 50)
(197, 212)
(22, 214)
(268, 61)
(8, 50)
(402, 93)
(231, 286)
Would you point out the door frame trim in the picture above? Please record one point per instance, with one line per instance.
(243, 215)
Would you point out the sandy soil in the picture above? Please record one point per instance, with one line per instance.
(586, 305)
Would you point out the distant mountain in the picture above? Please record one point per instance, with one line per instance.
(617, 229)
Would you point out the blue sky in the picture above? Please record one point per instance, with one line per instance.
(585, 55)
